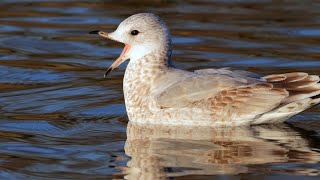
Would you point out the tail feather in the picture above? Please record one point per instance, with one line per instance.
(286, 111)
(295, 96)
(300, 85)
(287, 77)
(304, 92)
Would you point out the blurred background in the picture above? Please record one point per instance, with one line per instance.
(59, 118)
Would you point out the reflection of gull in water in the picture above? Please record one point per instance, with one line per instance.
(159, 151)
(156, 92)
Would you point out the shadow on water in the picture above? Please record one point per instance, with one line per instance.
(60, 119)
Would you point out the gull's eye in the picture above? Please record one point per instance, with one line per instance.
(134, 32)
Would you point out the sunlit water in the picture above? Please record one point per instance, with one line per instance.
(60, 119)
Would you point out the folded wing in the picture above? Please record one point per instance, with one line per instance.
(238, 93)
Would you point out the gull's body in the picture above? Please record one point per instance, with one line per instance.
(156, 92)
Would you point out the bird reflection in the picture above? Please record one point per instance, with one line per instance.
(159, 152)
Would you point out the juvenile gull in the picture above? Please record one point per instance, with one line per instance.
(156, 92)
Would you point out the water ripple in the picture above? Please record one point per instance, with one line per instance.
(59, 119)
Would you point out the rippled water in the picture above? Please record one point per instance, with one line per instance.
(60, 119)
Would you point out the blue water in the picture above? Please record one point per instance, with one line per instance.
(60, 119)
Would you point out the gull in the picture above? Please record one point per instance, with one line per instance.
(156, 92)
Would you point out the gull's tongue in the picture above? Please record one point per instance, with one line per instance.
(124, 51)
(120, 59)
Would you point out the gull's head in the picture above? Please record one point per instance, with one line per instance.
(142, 34)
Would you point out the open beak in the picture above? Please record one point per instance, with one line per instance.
(123, 55)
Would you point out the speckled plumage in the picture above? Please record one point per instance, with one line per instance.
(158, 93)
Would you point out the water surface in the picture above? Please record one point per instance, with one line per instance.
(60, 119)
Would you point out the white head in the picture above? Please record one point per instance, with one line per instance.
(142, 34)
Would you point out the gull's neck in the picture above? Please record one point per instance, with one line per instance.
(155, 60)
(142, 75)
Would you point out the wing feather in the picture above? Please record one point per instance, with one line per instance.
(191, 89)
(238, 93)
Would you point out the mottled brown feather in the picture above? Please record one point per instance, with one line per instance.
(300, 85)
(255, 100)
